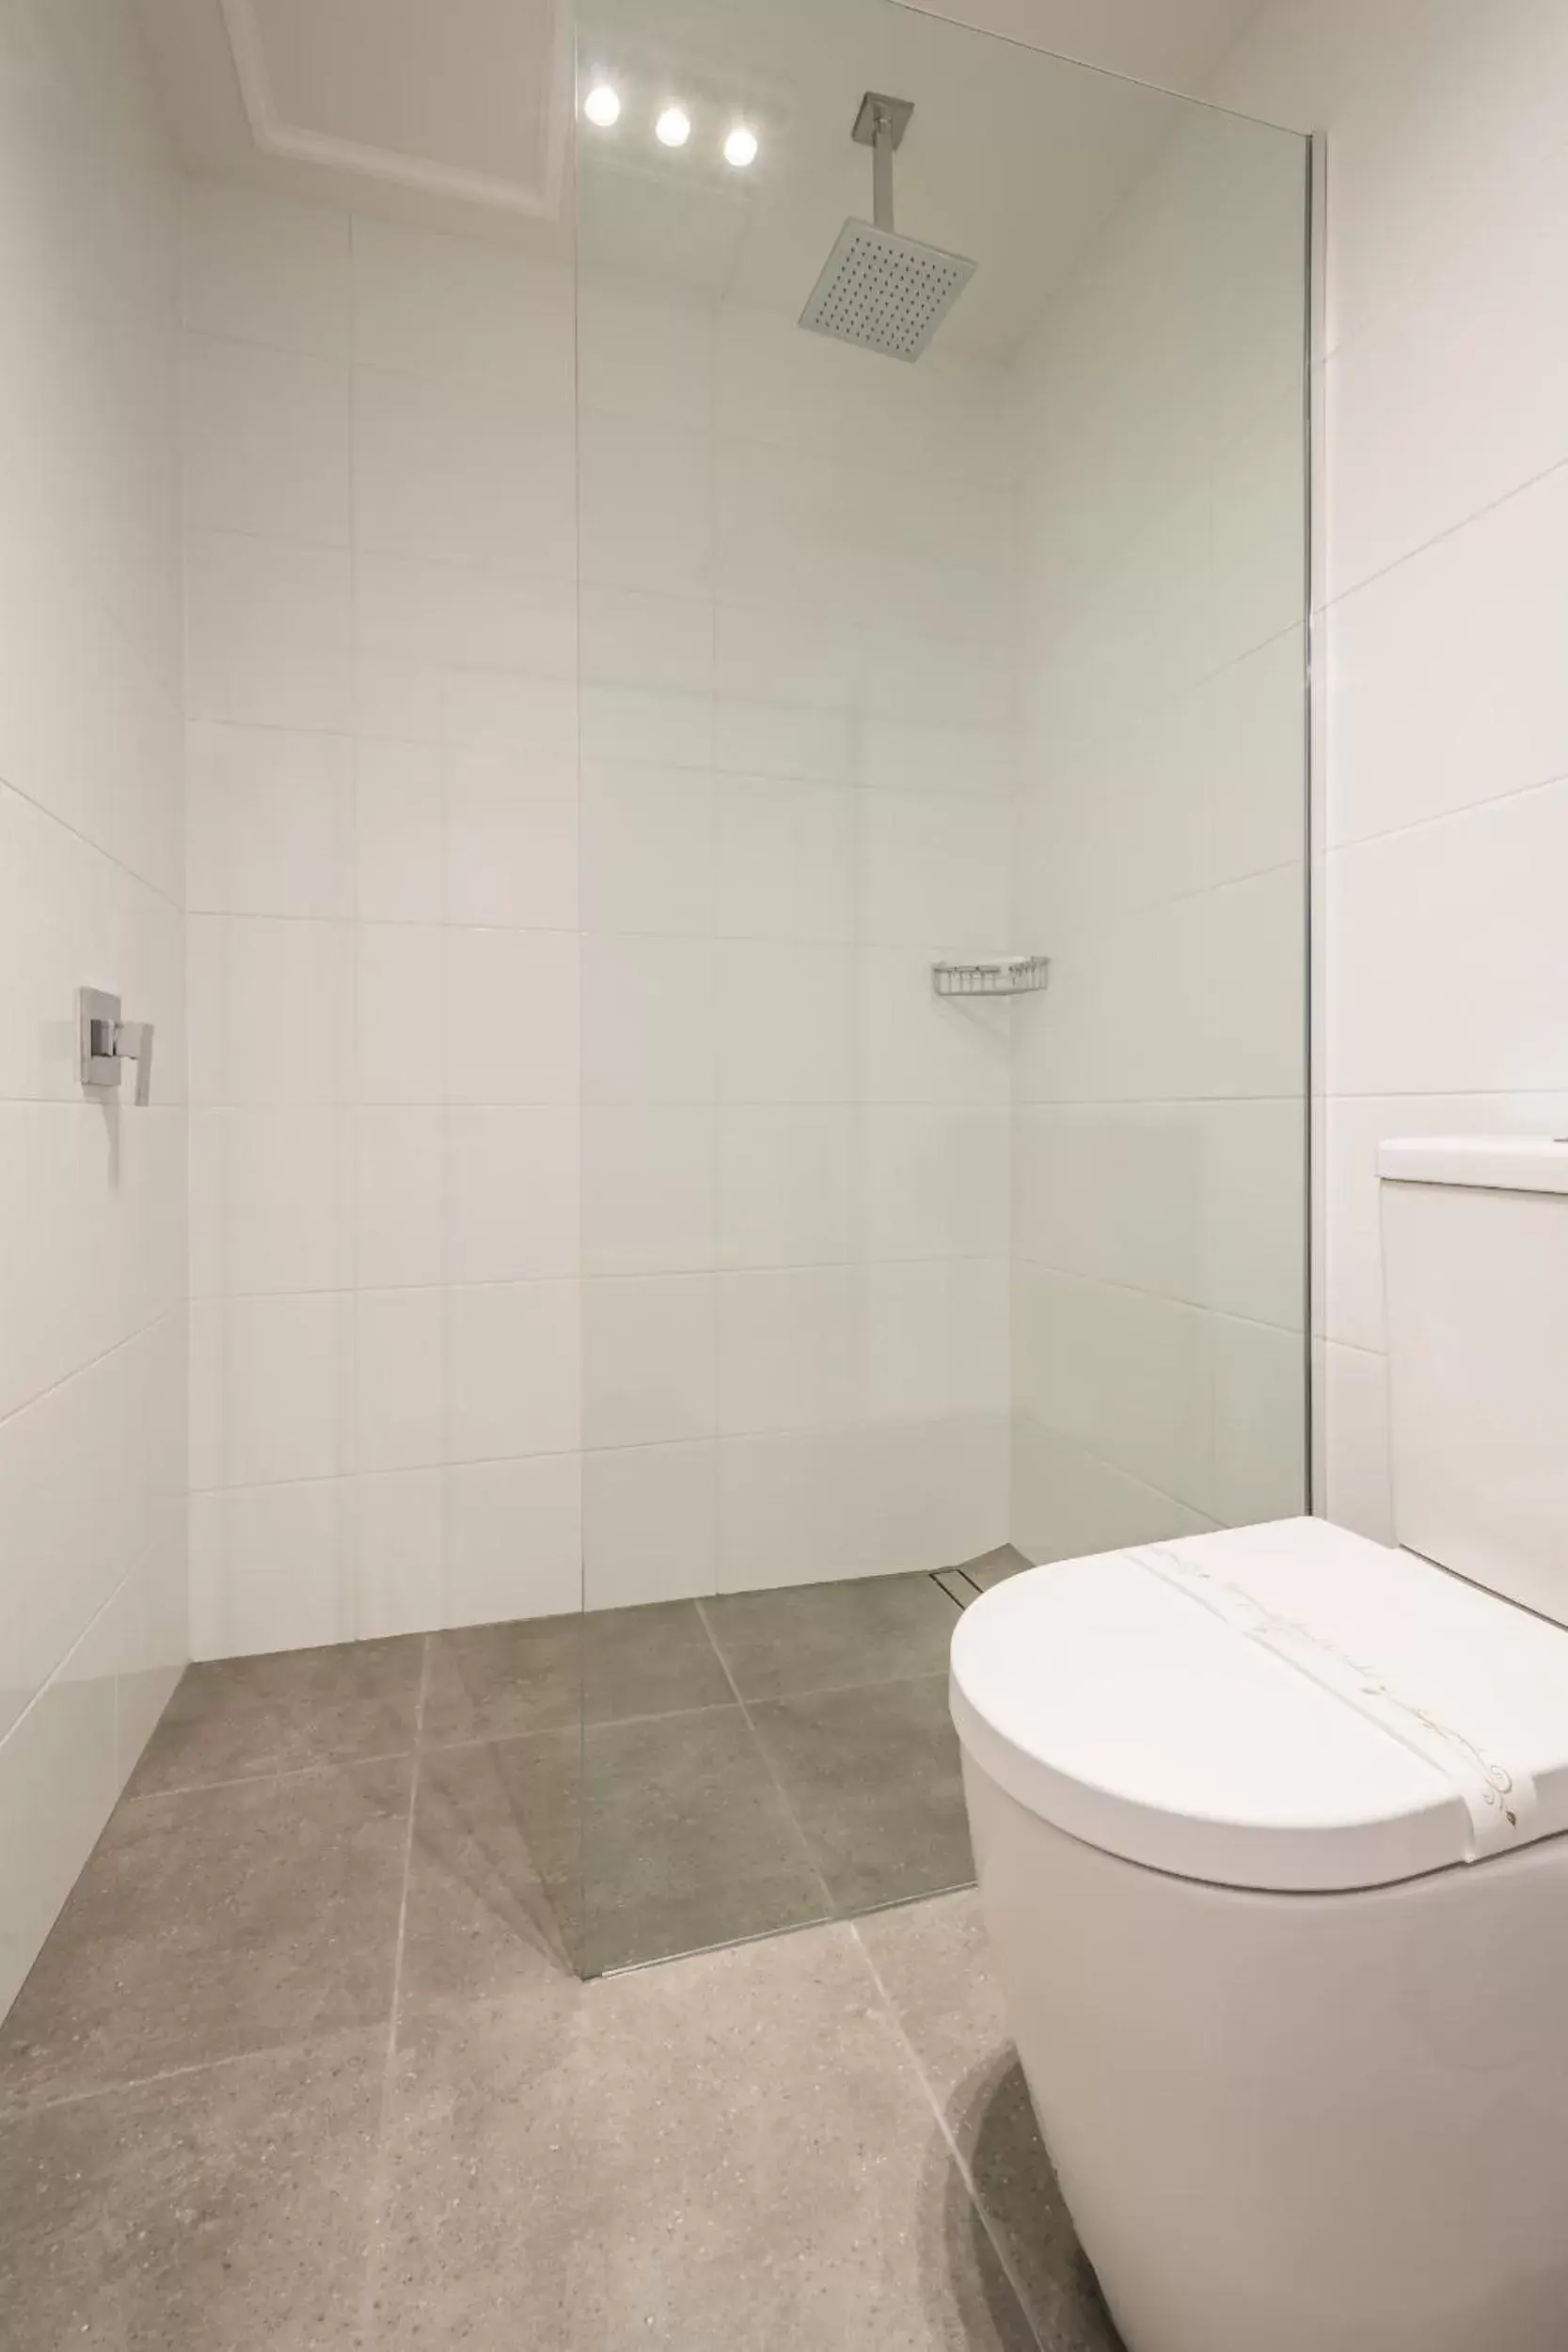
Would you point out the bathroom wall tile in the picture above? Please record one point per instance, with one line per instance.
(63, 1746)
(400, 1552)
(791, 1348)
(271, 1007)
(784, 860)
(1260, 1407)
(511, 1017)
(647, 849)
(285, 1371)
(649, 1189)
(513, 1377)
(401, 980)
(932, 1181)
(785, 1185)
(642, 356)
(936, 1338)
(441, 471)
(1357, 1394)
(1403, 1013)
(645, 503)
(649, 1359)
(785, 1023)
(266, 268)
(270, 1193)
(401, 1379)
(266, 441)
(399, 1233)
(648, 638)
(511, 855)
(398, 823)
(268, 632)
(649, 1524)
(1489, 600)
(511, 1194)
(513, 1541)
(270, 1569)
(269, 820)
(429, 304)
(647, 1020)
(936, 871)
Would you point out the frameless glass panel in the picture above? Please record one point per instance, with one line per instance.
(943, 968)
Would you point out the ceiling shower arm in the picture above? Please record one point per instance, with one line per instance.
(882, 167)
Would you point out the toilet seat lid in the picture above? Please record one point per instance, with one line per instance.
(1287, 1707)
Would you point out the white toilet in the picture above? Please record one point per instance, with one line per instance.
(1272, 1834)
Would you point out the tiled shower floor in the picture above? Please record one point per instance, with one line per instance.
(303, 2066)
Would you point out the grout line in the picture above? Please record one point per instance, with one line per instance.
(376, 2182)
(1004, 2256)
(790, 1816)
(269, 1779)
(17, 2107)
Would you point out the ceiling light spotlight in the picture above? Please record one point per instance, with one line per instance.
(741, 147)
(674, 127)
(602, 105)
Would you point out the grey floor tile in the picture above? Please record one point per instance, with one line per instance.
(654, 1661)
(957, 1586)
(238, 1716)
(224, 2208)
(494, 1901)
(872, 1776)
(991, 1566)
(227, 1920)
(504, 1681)
(736, 2152)
(687, 1841)
(821, 1637)
(933, 1960)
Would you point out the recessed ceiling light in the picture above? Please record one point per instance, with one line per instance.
(674, 127)
(741, 147)
(602, 105)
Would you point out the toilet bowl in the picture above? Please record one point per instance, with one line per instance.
(1271, 1829)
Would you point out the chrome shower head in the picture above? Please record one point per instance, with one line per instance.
(885, 291)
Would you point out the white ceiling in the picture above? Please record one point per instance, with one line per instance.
(456, 112)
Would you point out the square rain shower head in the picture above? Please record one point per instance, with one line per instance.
(885, 292)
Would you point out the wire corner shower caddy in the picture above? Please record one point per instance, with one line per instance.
(1001, 976)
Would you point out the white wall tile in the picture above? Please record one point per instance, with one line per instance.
(511, 1017)
(444, 306)
(784, 861)
(1260, 1378)
(649, 1528)
(400, 1380)
(647, 1020)
(400, 1234)
(265, 439)
(511, 840)
(400, 1552)
(513, 1541)
(787, 1185)
(785, 1022)
(1357, 1443)
(269, 820)
(267, 268)
(648, 1189)
(933, 1180)
(285, 1373)
(510, 1194)
(513, 1378)
(644, 505)
(267, 632)
(642, 356)
(791, 1348)
(1405, 1014)
(270, 1569)
(401, 1021)
(271, 1011)
(649, 1359)
(647, 849)
(399, 873)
